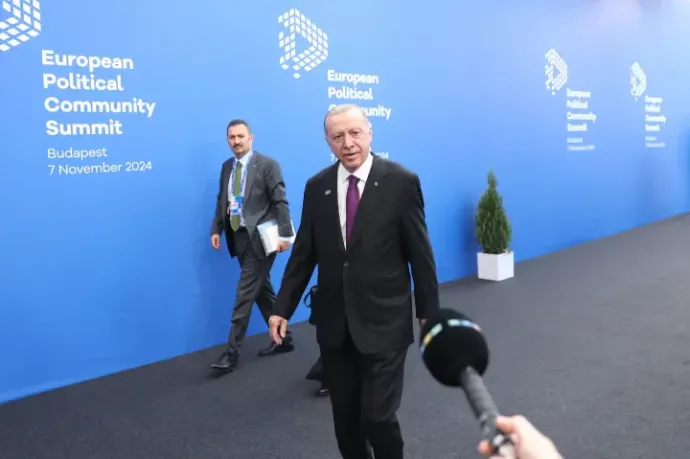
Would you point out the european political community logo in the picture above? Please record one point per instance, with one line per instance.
(297, 26)
(20, 21)
(556, 71)
(638, 81)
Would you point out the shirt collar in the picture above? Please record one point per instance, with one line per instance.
(361, 173)
(245, 159)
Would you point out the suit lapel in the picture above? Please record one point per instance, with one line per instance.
(331, 213)
(369, 200)
(251, 173)
(227, 170)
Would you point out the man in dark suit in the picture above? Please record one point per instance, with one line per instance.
(363, 224)
(251, 192)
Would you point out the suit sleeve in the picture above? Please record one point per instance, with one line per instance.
(300, 265)
(419, 253)
(217, 222)
(275, 187)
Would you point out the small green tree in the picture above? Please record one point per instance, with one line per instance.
(492, 228)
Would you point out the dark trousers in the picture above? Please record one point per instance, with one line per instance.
(316, 371)
(254, 286)
(366, 391)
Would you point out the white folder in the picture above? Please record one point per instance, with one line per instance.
(270, 237)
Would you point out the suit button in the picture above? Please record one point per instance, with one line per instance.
(346, 264)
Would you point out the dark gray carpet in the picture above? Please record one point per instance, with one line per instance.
(591, 343)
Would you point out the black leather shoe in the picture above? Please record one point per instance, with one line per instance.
(323, 392)
(227, 362)
(287, 346)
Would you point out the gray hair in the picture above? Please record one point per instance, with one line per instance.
(343, 108)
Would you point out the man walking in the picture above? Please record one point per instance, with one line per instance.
(363, 224)
(251, 192)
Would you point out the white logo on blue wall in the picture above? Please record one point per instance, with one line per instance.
(297, 24)
(638, 81)
(556, 71)
(20, 21)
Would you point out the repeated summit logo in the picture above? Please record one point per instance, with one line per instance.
(295, 24)
(638, 81)
(556, 71)
(20, 21)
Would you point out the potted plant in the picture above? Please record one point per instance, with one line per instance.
(493, 233)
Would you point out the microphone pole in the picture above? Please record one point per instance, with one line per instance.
(485, 411)
(456, 354)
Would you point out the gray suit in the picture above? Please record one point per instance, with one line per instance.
(264, 199)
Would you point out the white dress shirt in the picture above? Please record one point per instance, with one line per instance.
(362, 173)
(244, 160)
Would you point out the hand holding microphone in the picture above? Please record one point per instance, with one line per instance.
(529, 442)
(456, 354)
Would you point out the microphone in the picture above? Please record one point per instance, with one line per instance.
(456, 354)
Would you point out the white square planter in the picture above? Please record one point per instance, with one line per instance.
(496, 267)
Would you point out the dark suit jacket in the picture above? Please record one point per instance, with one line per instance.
(264, 199)
(366, 287)
(307, 302)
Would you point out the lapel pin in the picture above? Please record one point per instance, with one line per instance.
(376, 183)
(327, 192)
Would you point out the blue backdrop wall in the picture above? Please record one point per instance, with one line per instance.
(581, 108)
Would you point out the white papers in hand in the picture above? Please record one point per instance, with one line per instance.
(270, 237)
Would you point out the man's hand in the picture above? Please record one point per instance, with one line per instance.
(422, 323)
(283, 246)
(277, 328)
(215, 241)
(528, 441)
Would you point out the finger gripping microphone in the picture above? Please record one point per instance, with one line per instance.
(456, 354)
